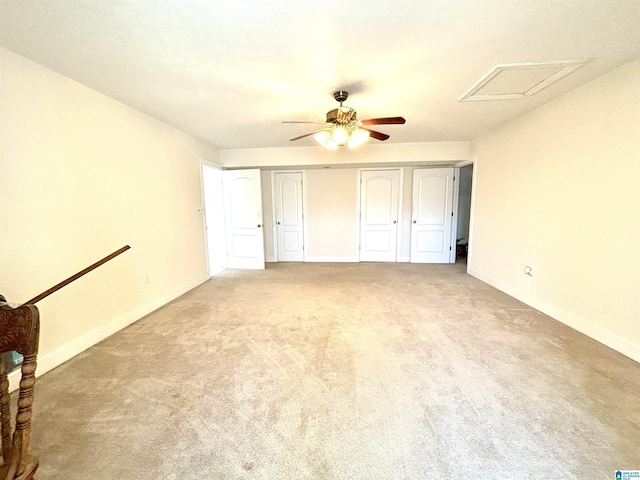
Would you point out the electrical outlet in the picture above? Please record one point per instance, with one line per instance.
(528, 271)
(146, 278)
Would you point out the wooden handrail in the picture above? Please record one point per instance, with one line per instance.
(73, 278)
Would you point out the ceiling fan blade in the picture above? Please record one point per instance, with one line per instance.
(306, 135)
(377, 135)
(295, 121)
(384, 121)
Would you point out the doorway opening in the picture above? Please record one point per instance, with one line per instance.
(464, 212)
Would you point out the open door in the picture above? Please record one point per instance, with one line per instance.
(243, 213)
(214, 218)
(432, 215)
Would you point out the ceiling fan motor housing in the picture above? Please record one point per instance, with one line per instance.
(341, 96)
(332, 116)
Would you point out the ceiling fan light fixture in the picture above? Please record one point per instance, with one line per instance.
(324, 139)
(340, 135)
(358, 137)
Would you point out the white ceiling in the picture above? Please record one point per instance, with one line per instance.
(231, 71)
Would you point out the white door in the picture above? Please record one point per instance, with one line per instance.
(379, 191)
(243, 215)
(214, 218)
(288, 215)
(432, 215)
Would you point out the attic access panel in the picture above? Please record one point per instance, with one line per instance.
(518, 80)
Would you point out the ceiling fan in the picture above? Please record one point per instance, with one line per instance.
(343, 127)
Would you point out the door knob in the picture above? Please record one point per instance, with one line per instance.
(395, 221)
(259, 225)
(415, 221)
(278, 223)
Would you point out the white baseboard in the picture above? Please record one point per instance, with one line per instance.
(404, 259)
(331, 259)
(58, 357)
(606, 337)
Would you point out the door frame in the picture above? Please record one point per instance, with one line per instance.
(274, 231)
(399, 213)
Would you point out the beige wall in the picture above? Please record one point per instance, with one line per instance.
(83, 175)
(267, 216)
(321, 198)
(559, 190)
(331, 215)
(406, 214)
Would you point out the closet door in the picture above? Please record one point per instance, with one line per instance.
(289, 219)
(432, 215)
(379, 198)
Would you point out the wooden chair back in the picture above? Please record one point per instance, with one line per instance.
(19, 331)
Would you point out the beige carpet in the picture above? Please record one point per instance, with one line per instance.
(341, 371)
